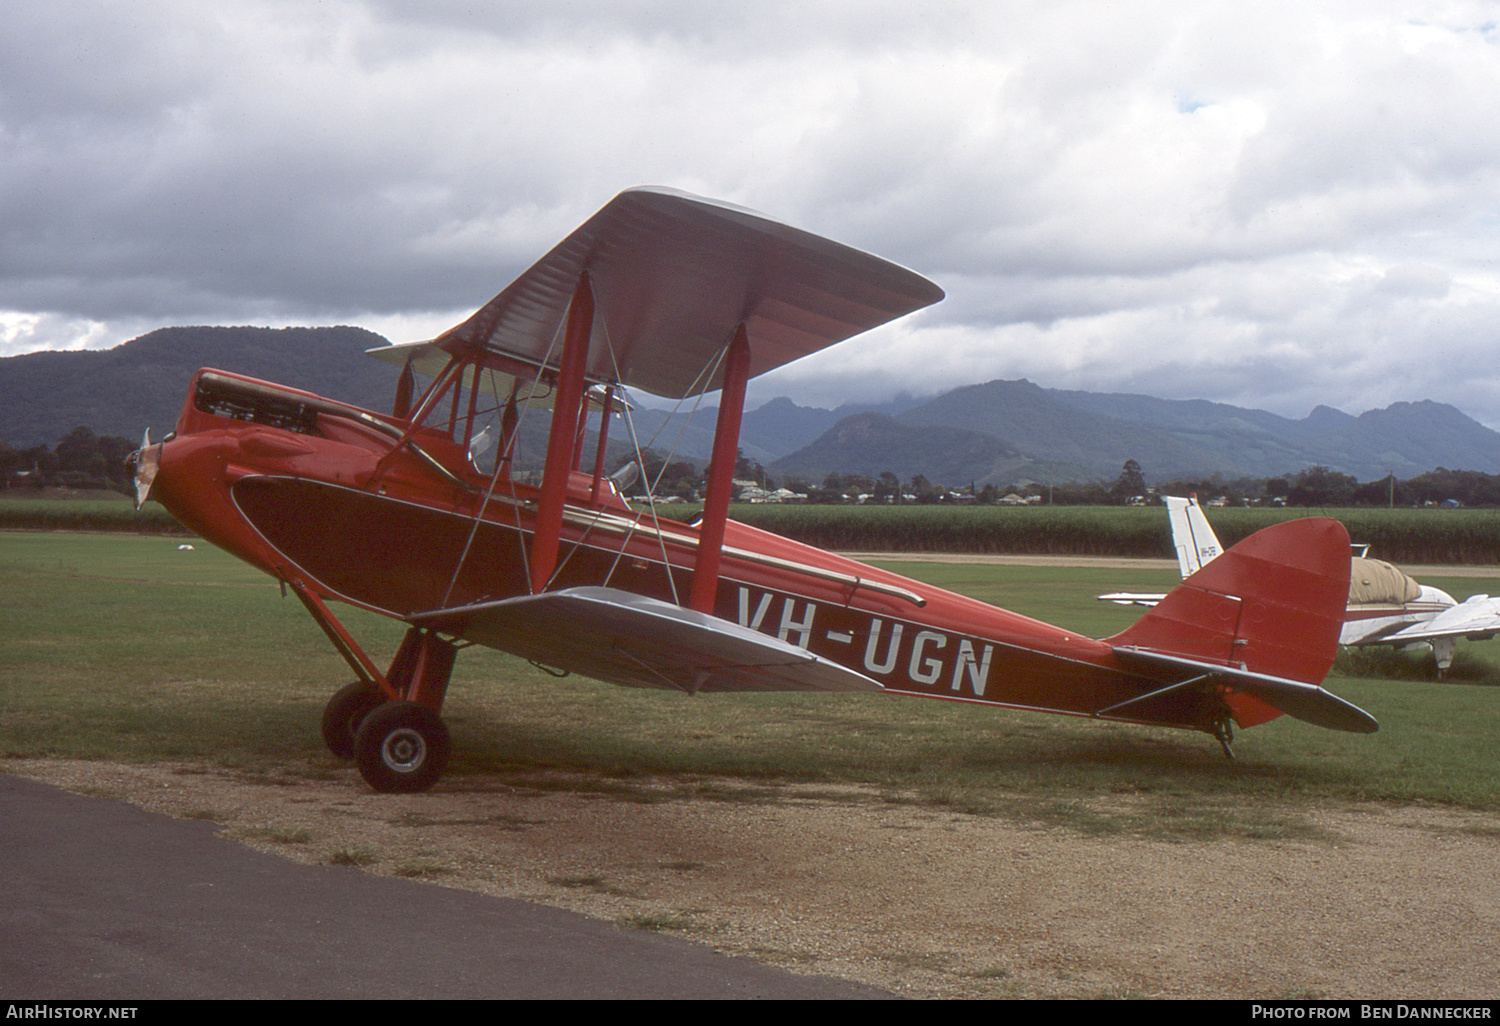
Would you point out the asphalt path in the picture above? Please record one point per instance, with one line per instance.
(102, 900)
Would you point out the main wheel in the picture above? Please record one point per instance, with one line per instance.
(401, 747)
(343, 714)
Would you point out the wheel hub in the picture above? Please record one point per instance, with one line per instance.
(404, 750)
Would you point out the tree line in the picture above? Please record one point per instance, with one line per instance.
(1322, 486)
(81, 460)
(1316, 486)
(86, 460)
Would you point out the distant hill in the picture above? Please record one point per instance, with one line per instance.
(781, 426)
(143, 383)
(1036, 423)
(1095, 433)
(997, 432)
(1404, 438)
(766, 433)
(872, 443)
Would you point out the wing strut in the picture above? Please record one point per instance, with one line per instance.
(721, 474)
(609, 401)
(569, 397)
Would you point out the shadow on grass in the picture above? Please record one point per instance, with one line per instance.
(1415, 663)
(1096, 779)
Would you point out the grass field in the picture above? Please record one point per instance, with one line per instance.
(126, 648)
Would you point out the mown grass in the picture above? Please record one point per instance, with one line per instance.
(126, 648)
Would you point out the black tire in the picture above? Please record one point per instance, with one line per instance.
(343, 714)
(401, 747)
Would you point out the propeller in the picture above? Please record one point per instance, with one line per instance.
(143, 464)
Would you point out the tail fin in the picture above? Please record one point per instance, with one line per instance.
(1264, 618)
(1194, 540)
(1273, 604)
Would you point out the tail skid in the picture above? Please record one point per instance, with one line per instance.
(1260, 624)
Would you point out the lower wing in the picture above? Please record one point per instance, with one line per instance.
(624, 638)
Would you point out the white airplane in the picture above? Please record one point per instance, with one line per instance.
(1386, 605)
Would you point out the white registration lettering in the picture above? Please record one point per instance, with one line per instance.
(926, 671)
(760, 611)
(889, 662)
(802, 628)
(978, 670)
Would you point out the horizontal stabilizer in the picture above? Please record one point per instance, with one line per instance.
(623, 638)
(1306, 702)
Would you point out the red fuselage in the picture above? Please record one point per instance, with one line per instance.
(362, 508)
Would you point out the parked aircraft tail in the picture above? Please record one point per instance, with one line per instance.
(1194, 540)
(1260, 621)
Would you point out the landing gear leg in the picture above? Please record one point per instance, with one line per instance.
(1224, 733)
(403, 746)
(389, 723)
(1442, 654)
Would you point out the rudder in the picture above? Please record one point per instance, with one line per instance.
(1273, 604)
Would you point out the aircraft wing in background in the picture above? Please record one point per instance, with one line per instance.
(1476, 618)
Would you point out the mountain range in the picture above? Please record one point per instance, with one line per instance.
(141, 384)
(999, 432)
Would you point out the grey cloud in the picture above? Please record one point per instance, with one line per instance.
(1324, 203)
(1416, 280)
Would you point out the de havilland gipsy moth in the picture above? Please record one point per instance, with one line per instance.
(415, 513)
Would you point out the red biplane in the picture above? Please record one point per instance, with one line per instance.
(417, 514)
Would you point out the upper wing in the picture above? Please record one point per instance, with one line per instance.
(673, 275)
(624, 638)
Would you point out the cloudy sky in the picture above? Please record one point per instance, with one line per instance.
(1268, 204)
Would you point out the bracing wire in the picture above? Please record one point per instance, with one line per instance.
(712, 368)
(706, 374)
(501, 458)
(651, 504)
(489, 490)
